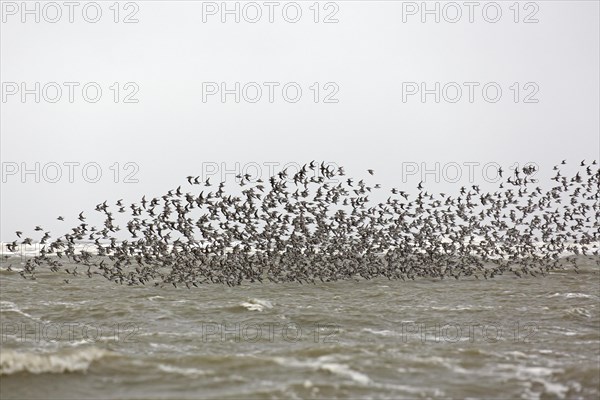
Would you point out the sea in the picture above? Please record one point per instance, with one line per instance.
(506, 338)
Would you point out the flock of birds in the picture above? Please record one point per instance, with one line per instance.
(320, 225)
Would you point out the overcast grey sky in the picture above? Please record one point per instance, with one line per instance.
(366, 73)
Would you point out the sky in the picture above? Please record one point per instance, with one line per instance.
(103, 102)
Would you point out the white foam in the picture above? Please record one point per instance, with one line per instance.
(9, 306)
(12, 268)
(580, 311)
(516, 354)
(325, 363)
(572, 295)
(38, 363)
(543, 375)
(556, 389)
(384, 332)
(256, 304)
(344, 370)
(171, 369)
(577, 296)
(413, 390)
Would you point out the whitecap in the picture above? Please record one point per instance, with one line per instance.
(344, 370)
(171, 369)
(577, 295)
(572, 295)
(556, 389)
(256, 304)
(6, 306)
(324, 363)
(38, 363)
(384, 332)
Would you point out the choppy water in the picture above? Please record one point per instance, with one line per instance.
(503, 338)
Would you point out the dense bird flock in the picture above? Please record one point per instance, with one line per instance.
(320, 225)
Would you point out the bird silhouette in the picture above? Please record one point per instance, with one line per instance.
(318, 225)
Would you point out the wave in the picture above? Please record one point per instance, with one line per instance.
(325, 363)
(572, 295)
(256, 304)
(191, 372)
(9, 306)
(78, 360)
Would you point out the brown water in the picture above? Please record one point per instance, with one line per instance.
(503, 338)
